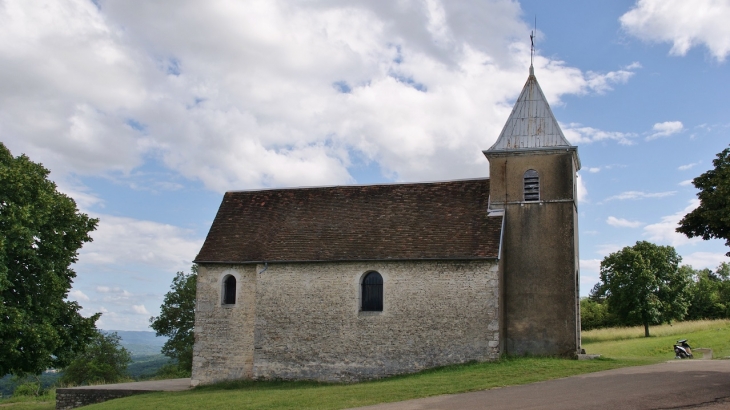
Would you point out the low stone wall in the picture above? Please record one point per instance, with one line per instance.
(72, 398)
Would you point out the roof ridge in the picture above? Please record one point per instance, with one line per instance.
(361, 185)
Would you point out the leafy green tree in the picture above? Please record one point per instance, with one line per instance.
(709, 293)
(706, 296)
(712, 218)
(177, 319)
(103, 361)
(643, 285)
(41, 231)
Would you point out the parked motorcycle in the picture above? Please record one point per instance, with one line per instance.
(682, 350)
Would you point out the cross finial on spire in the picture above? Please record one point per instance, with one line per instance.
(532, 46)
(533, 34)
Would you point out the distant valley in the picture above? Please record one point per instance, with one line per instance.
(144, 347)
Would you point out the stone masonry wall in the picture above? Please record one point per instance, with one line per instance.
(223, 347)
(308, 324)
(67, 399)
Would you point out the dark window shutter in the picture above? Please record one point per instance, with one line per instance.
(229, 291)
(372, 292)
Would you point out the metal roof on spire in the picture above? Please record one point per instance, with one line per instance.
(532, 123)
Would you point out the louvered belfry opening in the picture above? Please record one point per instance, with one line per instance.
(229, 291)
(532, 186)
(372, 292)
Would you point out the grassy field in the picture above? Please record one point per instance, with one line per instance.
(676, 329)
(619, 347)
(45, 402)
(629, 343)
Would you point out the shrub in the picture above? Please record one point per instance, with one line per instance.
(595, 315)
(27, 389)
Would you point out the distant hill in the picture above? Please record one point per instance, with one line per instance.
(139, 342)
(145, 349)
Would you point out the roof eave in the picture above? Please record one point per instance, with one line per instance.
(465, 258)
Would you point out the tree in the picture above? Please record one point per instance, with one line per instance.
(709, 293)
(594, 315)
(705, 295)
(177, 318)
(712, 218)
(41, 231)
(103, 361)
(643, 285)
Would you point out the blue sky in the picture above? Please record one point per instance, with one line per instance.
(146, 113)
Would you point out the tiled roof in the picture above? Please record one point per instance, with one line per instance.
(441, 220)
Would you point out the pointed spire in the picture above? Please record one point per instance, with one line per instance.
(532, 123)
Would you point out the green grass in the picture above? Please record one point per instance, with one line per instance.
(675, 329)
(711, 334)
(44, 402)
(619, 348)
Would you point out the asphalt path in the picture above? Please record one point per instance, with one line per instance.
(679, 384)
(149, 385)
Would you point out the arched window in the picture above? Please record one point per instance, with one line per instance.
(229, 290)
(532, 185)
(372, 292)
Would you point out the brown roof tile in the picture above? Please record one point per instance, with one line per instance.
(441, 220)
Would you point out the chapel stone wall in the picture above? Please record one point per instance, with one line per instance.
(541, 314)
(223, 347)
(303, 320)
(309, 324)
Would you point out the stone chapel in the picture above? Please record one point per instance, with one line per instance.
(347, 283)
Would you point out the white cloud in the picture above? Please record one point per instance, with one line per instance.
(140, 310)
(685, 24)
(687, 166)
(608, 248)
(665, 231)
(254, 94)
(590, 265)
(701, 260)
(601, 83)
(120, 240)
(113, 290)
(639, 195)
(78, 295)
(581, 188)
(622, 223)
(665, 129)
(578, 134)
(686, 182)
(593, 170)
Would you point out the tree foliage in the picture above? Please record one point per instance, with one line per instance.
(41, 231)
(595, 315)
(177, 319)
(643, 285)
(712, 218)
(709, 293)
(103, 361)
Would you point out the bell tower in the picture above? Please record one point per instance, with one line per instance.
(533, 183)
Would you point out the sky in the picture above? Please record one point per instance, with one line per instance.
(147, 112)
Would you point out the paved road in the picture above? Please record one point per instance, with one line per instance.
(151, 385)
(686, 384)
